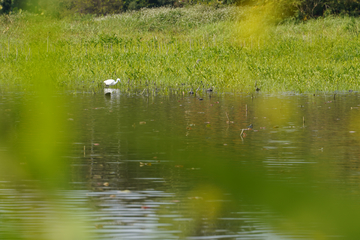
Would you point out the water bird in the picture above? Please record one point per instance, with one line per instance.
(111, 82)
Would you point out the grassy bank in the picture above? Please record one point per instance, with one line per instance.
(225, 48)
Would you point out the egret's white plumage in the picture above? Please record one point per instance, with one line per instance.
(111, 82)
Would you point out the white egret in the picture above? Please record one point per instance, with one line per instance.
(111, 82)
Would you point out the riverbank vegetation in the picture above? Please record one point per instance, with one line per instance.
(238, 48)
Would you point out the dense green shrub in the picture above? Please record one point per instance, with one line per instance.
(313, 8)
(302, 9)
(101, 7)
(305, 9)
(5, 6)
(98, 7)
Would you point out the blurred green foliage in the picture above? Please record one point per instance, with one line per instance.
(35, 133)
(35, 144)
(301, 9)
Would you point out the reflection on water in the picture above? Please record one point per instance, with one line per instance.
(187, 166)
(112, 93)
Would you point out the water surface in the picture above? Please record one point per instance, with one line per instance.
(148, 166)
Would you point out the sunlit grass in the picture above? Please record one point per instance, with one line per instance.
(186, 48)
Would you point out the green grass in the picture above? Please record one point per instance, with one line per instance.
(225, 48)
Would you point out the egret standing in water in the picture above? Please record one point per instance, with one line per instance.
(111, 82)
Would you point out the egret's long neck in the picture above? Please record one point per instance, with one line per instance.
(117, 80)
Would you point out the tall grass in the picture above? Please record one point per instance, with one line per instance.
(186, 47)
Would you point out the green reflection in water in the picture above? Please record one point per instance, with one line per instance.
(297, 161)
(296, 169)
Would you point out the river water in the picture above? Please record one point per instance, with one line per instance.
(180, 166)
